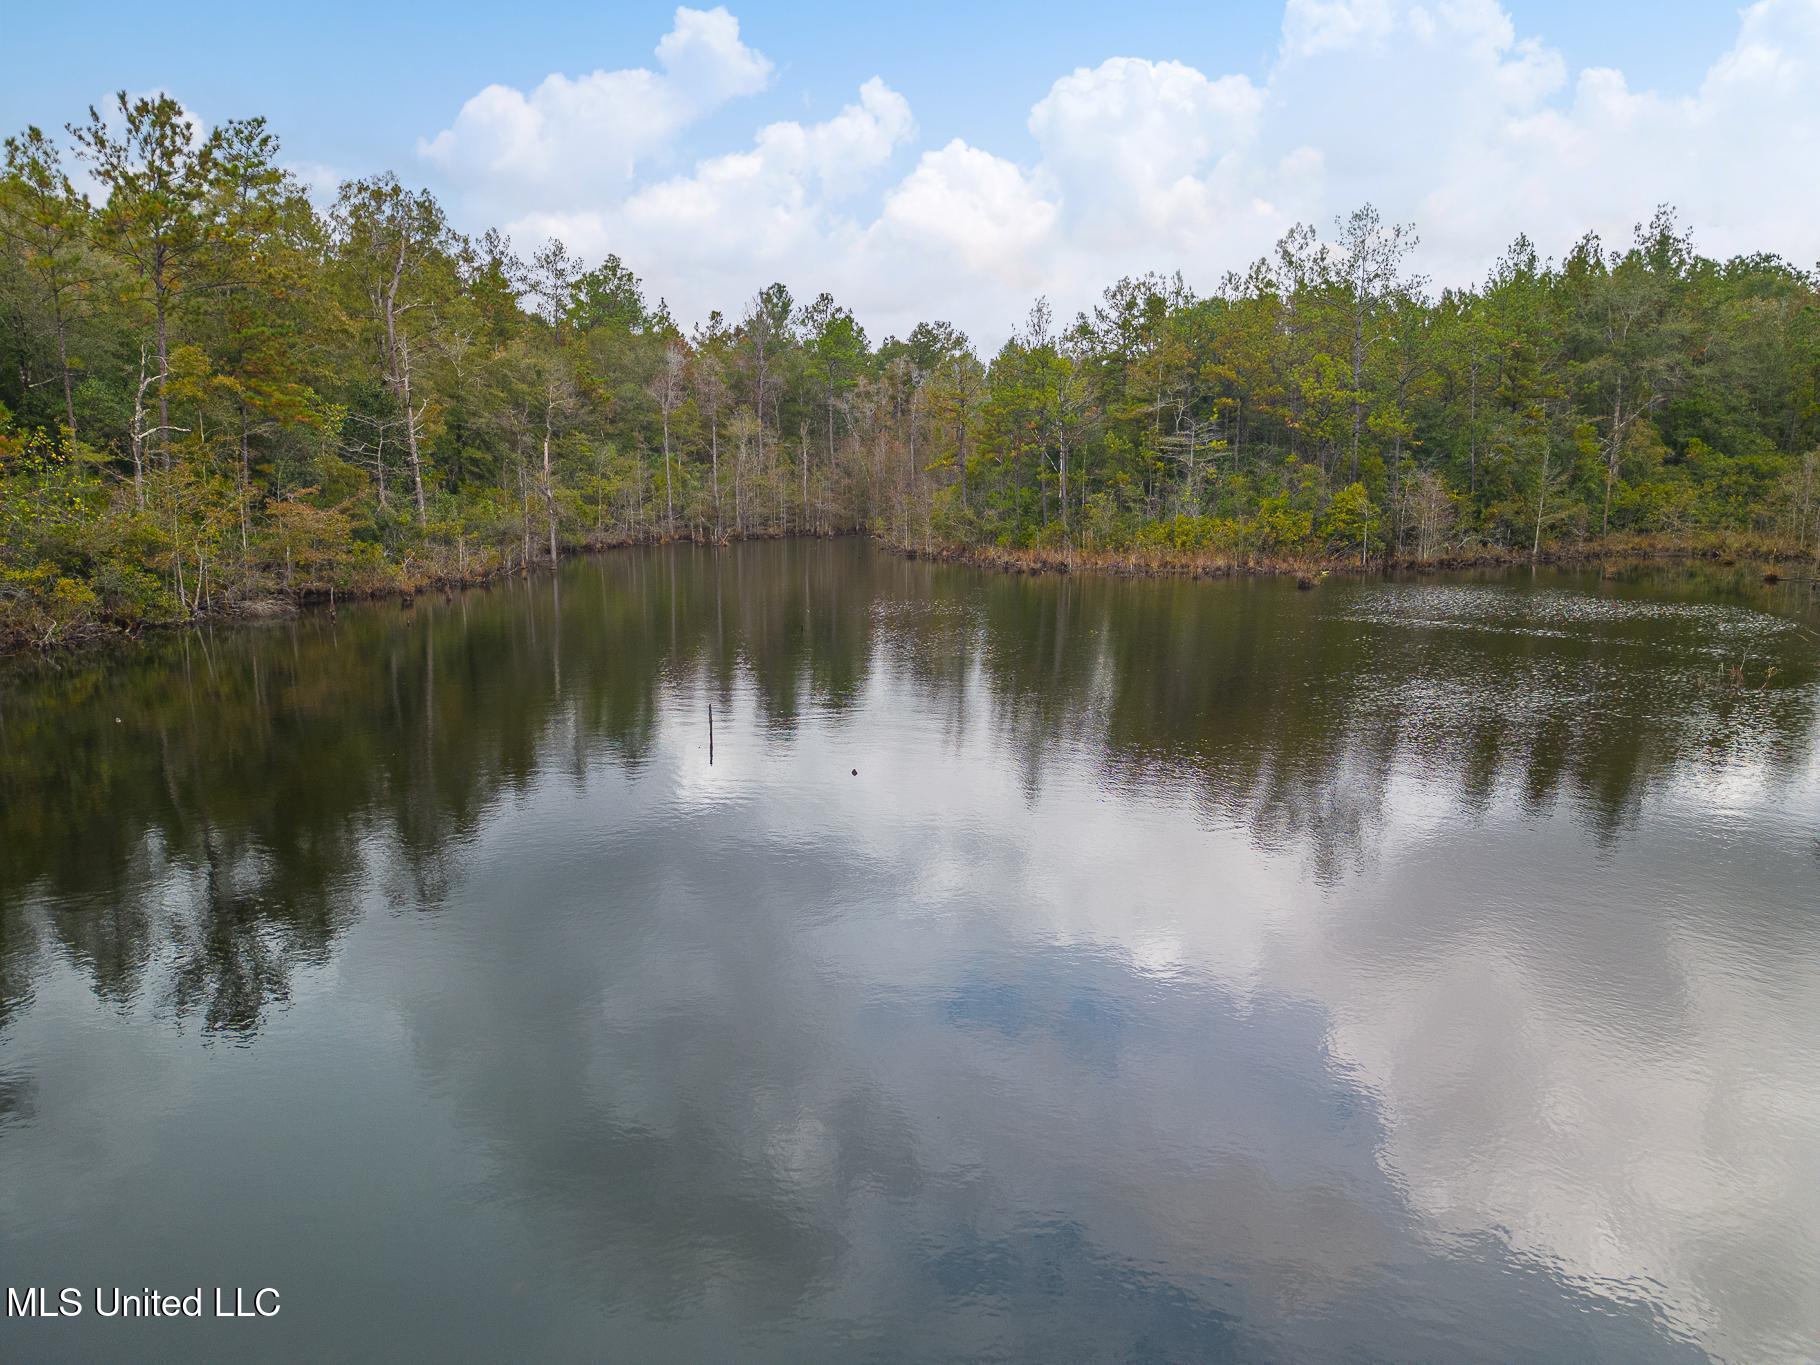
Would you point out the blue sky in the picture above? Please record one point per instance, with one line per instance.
(354, 85)
(357, 88)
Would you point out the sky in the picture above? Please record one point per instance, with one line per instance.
(956, 161)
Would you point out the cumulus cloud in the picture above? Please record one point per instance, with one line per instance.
(1134, 148)
(576, 137)
(706, 238)
(975, 211)
(1439, 112)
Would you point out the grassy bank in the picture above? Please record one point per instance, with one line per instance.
(40, 629)
(60, 613)
(1782, 559)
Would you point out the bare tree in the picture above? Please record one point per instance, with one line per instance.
(372, 452)
(669, 388)
(391, 237)
(710, 396)
(140, 432)
(745, 429)
(1432, 507)
(1373, 253)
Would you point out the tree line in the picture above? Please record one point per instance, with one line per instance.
(213, 394)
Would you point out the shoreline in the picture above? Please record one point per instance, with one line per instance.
(282, 604)
(1139, 564)
(1306, 569)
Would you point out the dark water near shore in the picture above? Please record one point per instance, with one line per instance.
(1421, 971)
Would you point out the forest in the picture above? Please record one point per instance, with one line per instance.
(217, 397)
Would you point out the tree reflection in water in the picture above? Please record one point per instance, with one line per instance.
(793, 1021)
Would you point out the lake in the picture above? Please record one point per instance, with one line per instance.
(1034, 969)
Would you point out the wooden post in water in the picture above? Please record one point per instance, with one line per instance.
(710, 734)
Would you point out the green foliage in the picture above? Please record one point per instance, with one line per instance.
(1277, 527)
(1350, 521)
(213, 392)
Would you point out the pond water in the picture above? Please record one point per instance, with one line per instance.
(1407, 971)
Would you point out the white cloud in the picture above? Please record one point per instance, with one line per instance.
(978, 212)
(843, 152)
(319, 180)
(1439, 112)
(574, 137)
(1311, 27)
(739, 220)
(1128, 145)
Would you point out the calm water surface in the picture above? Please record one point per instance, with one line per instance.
(1420, 971)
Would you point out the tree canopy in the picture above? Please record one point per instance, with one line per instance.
(213, 391)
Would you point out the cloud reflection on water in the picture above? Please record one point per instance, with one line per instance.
(1190, 970)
